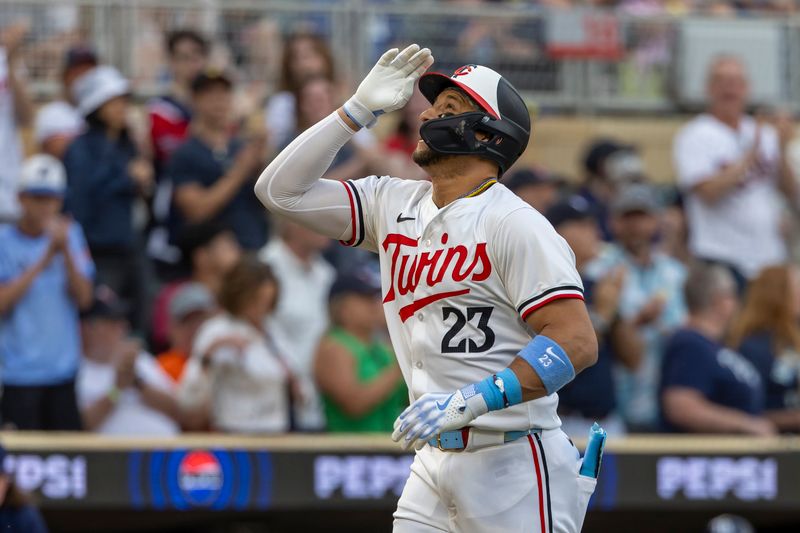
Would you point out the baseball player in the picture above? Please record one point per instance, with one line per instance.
(469, 274)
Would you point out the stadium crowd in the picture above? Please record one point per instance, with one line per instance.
(145, 291)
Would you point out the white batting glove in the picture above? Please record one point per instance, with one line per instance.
(434, 413)
(389, 84)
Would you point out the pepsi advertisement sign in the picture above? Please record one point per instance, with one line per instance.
(213, 479)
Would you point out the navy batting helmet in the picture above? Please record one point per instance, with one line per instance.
(503, 117)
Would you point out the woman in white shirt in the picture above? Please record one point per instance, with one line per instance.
(234, 375)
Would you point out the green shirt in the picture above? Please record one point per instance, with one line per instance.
(371, 361)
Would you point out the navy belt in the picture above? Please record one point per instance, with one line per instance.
(458, 439)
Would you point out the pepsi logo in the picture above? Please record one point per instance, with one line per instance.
(200, 478)
(463, 71)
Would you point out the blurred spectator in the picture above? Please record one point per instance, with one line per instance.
(213, 171)
(536, 187)
(361, 383)
(608, 166)
(301, 318)
(402, 142)
(16, 111)
(316, 99)
(591, 396)
(488, 40)
(169, 116)
(59, 122)
(674, 237)
(121, 389)
(305, 55)
(235, 376)
(17, 513)
(209, 251)
(705, 387)
(170, 113)
(651, 299)
(45, 278)
(105, 175)
(191, 305)
(767, 333)
(733, 168)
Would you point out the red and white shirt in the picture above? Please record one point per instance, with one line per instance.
(458, 283)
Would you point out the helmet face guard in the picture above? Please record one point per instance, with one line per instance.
(458, 135)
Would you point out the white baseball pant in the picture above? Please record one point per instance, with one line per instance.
(528, 485)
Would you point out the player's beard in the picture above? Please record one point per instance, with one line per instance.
(425, 157)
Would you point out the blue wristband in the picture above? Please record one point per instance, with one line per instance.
(500, 390)
(550, 361)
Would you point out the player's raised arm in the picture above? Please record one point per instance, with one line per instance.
(291, 186)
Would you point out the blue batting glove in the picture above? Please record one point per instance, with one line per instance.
(434, 413)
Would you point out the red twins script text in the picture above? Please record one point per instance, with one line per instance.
(457, 263)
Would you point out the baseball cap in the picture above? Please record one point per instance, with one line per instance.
(79, 55)
(572, 209)
(42, 175)
(210, 78)
(97, 86)
(57, 118)
(598, 151)
(635, 198)
(527, 177)
(106, 304)
(363, 280)
(190, 298)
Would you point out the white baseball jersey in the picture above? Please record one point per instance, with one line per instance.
(458, 283)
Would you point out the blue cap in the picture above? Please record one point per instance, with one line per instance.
(572, 209)
(363, 280)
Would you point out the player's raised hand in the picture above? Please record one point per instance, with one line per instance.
(389, 84)
(430, 414)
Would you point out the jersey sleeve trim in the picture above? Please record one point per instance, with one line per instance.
(356, 215)
(555, 293)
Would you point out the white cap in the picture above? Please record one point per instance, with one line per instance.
(57, 118)
(42, 174)
(98, 86)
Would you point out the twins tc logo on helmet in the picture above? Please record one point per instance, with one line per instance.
(463, 71)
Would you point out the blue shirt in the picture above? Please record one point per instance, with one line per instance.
(39, 336)
(25, 519)
(195, 162)
(779, 373)
(664, 277)
(591, 393)
(720, 374)
(100, 192)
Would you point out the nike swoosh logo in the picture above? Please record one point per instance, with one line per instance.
(549, 351)
(401, 218)
(442, 407)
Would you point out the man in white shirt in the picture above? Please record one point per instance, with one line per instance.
(16, 111)
(121, 389)
(301, 317)
(733, 169)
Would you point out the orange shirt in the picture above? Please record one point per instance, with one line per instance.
(173, 361)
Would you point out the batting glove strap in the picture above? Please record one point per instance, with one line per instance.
(360, 113)
(499, 390)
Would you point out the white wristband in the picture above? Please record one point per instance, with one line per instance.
(359, 113)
